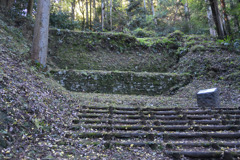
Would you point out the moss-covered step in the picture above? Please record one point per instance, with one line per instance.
(120, 82)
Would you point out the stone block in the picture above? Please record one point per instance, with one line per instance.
(208, 98)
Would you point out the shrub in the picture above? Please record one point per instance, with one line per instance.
(140, 33)
(62, 20)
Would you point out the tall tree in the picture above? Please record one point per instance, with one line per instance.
(94, 9)
(186, 10)
(236, 22)
(144, 4)
(82, 10)
(228, 27)
(217, 18)
(153, 12)
(176, 11)
(73, 3)
(211, 24)
(111, 24)
(40, 38)
(103, 14)
(87, 21)
(6, 4)
(90, 16)
(30, 7)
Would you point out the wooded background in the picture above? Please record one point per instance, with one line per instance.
(143, 18)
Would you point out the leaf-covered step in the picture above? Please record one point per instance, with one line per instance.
(205, 144)
(203, 154)
(157, 117)
(204, 135)
(150, 144)
(194, 154)
(190, 109)
(162, 113)
(118, 135)
(161, 128)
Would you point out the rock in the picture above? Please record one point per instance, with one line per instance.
(208, 98)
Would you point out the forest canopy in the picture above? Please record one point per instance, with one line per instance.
(142, 18)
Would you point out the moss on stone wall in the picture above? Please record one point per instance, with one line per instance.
(110, 51)
(120, 82)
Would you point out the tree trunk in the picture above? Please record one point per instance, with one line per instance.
(87, 14)
(187, 13)
(211, 24)
(73, 10)
(103, 14)
(235, 17)
(90, 13)
(153, 12)
(228, 27)
(107, 11)
(40, 38)
(175, 15)
(6, 4)
(145, 8)
(60, 5)
(30, 8)
(217, 19)
(94, 9)
(111, 24)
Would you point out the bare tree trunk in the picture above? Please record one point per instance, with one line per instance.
(73, 10)
(107, 11)
(40, 38)
(217, 18)
(81, 8)
(145, 8)
(60, 5)
(228, 27)
(111, 24)
(153, 12)
(94, 9)
(175, 15)
(30, 8)
(90, 13)
(6, 4)
(87, 22)
(187, 13)
(211, 24)
(235, 20)
(103, 14)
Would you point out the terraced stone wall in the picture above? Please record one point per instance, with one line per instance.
(120, 82)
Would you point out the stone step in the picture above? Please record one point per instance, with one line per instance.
(203, 154)
(158, 123)
(159, 108)
(160, 128)
(196, 112)
(203, 135)
(172, 136)
(206, 144)
(158, 117)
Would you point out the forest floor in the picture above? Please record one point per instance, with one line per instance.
(36, 112)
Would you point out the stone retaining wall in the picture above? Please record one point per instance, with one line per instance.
(120, 82)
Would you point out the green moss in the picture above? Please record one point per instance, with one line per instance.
(148, 41)
(120, 82)
(110, 51)
(196, 48)
(190, 43)
(176, 35)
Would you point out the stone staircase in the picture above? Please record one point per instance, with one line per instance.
(179, 132)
